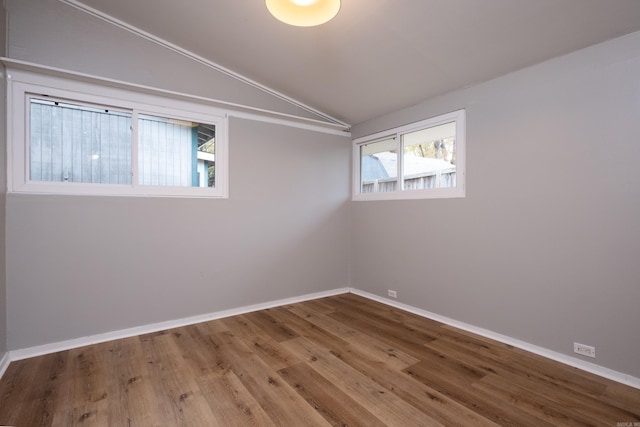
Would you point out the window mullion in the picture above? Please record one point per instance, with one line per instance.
(134, 149)
(400, 182)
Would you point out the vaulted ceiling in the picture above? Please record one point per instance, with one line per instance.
(378, 56)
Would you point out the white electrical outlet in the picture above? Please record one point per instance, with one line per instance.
(585, 350)
(392, 294)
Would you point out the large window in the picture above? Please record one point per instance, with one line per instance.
(107, 141)
(420, 160)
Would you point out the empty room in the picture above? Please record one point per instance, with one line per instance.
(320, 212)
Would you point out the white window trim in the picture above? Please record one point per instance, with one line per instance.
(401, 194)
(22, 84)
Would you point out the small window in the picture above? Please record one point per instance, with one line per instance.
(113, 142)
(175, 152)
(379, 166)
(78, 143)
(429, 158)
(421, 160)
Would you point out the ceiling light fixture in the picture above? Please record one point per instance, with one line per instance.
(303, 13)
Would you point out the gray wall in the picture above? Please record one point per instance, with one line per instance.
(78, 266)
(544, 247)
(3, 190)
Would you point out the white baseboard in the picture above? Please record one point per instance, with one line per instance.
(4, 363)
(550, 354)
(155, 327)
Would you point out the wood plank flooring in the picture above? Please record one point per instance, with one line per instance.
(340, 361)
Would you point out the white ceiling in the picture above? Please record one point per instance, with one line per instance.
(378, 56)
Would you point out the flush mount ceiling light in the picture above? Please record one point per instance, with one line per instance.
(303, 13)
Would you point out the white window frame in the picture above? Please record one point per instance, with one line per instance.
(21, 85)
(459, 117)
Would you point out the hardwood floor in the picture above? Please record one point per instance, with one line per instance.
(342, 361)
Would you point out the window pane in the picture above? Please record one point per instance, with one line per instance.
(175, 152)
(74, 143)
(379, 166)
(429, 158)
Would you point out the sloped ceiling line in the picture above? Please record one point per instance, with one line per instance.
(197, 58)
(229, 108)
